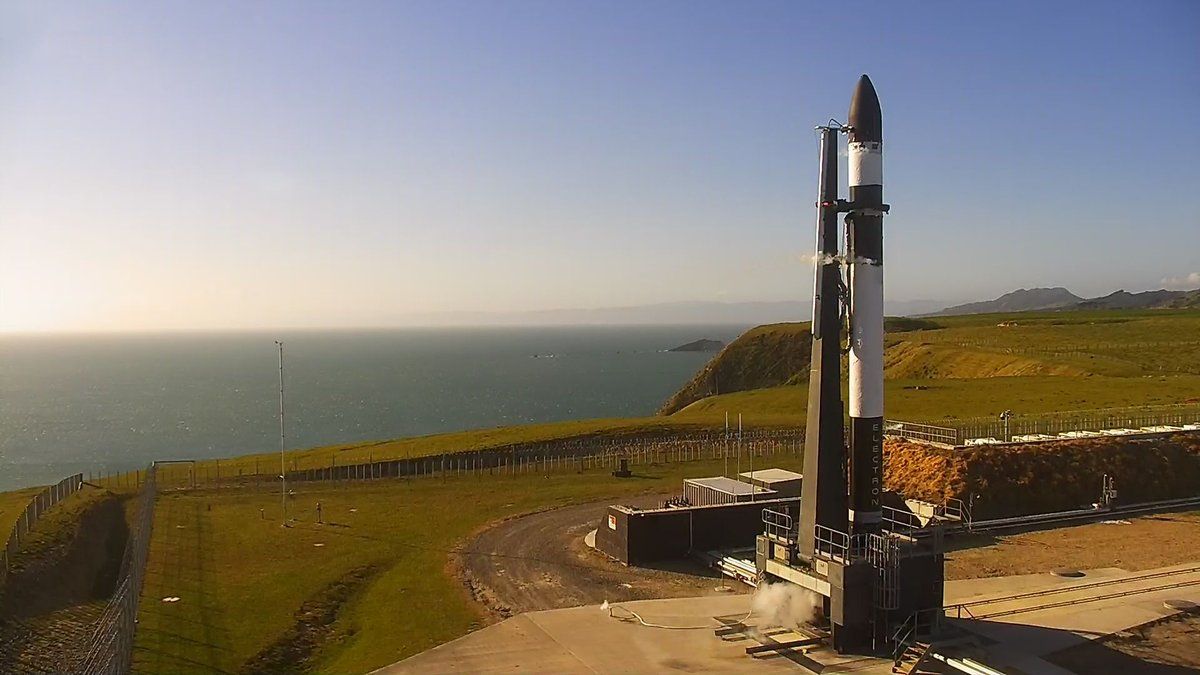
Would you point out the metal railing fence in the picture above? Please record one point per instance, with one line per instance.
(915, 431)
(1056, 424)
(958, 432)
(512, 460)
(48, 497)
(110, 649)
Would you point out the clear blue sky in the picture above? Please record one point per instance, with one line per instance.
(232, 165)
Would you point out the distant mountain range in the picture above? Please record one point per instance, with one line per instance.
(670, 313)
(1058, 298)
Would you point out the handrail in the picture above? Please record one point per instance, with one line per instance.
(778, 523)
(901, 518)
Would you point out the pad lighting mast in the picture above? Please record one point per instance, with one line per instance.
(282, 441)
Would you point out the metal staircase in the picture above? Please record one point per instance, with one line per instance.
(912, 658)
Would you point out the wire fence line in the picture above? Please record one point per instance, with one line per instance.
(48, 497)
(110, 649)
(519, 459)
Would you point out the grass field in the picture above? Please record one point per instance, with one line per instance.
(949, 399)
(419, 446)
(240, 578)
(12, 504)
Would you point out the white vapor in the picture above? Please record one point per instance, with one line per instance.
(785, 605)
(813, 259)
(1184, 283)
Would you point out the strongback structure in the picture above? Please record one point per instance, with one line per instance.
(879, 568)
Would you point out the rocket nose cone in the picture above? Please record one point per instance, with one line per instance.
(865, 118)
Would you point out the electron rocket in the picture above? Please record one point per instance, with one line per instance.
(864, 253)
(873, 584)
(841, 491)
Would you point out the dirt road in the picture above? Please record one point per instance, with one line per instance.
(540, 561)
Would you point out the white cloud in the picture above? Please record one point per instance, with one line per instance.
(1184, 283)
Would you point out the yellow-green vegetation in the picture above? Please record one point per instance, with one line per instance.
(59, 523)
(951, 399)
(974, 366)
(766, 356)
(241, 577)
(12, 504)
(267, 464)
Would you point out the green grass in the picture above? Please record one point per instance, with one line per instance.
(267, 463)
(12, 504)
(240, 577)
(962, 399)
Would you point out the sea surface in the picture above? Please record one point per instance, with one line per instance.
(114, 402)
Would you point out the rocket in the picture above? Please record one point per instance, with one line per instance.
(841, 491)
(864, 254)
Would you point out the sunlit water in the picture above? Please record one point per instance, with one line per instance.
(79, 403)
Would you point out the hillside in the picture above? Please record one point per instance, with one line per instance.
(766, 356)
(1029, 362)
(1058, 298)
(1021, 300)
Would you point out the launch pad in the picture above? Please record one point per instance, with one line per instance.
(880, 591)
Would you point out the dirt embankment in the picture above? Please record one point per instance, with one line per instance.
(1041, 477)
(61, 577)
(72, 557)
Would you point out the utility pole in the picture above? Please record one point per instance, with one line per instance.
(282, 441)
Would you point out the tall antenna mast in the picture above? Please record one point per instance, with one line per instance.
(282, 441)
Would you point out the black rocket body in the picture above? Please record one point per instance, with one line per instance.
(864, 225)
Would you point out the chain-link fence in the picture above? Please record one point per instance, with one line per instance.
(110, 650)
(37, 506)
(567, 456)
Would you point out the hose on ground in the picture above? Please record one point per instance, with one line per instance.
(639, 619)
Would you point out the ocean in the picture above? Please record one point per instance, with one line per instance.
(114, 402)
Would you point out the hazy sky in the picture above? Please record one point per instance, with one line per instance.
(261, 164)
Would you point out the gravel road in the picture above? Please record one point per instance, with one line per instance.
(540, 561)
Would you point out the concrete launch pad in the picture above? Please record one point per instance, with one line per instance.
(1054, 613)
(586, 640)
